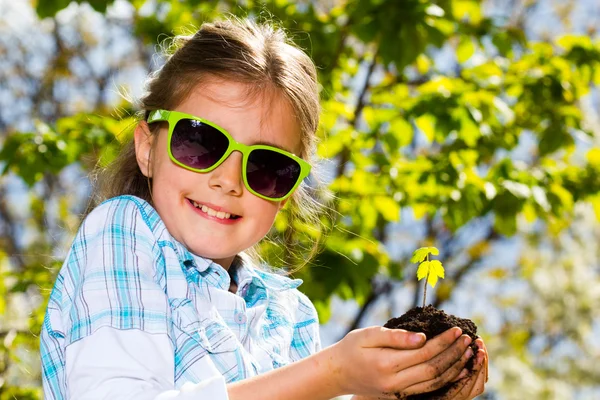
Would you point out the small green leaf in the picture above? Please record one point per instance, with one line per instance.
(426, 123)
(423, 270)
(593, 157)
(423, 64)
(421, 253)
(432, 270)
(432, 279)
(387, 207)
(402, 130)
(437, 268)
(466, 48)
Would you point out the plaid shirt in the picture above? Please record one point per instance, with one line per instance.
(125, 271)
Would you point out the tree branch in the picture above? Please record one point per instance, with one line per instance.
(345, 153)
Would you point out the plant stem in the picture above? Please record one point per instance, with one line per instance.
(425, 288)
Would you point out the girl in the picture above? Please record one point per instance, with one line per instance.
(157, 298)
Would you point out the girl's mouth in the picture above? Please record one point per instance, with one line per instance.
(204, 209)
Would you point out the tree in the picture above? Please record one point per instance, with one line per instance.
(470, 145)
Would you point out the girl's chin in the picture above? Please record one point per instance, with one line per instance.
(214, 252)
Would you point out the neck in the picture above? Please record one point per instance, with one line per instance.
(224, 262)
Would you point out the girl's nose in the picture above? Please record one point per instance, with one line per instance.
(227, 177)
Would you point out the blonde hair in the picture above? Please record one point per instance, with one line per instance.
(259, 55)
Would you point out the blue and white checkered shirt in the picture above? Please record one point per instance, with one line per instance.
(125, 271)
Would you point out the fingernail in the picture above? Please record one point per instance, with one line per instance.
(417, 338)
(467, 340)
(479, 357)
(469, 353)
(458, 332)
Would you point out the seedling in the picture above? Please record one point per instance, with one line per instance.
(431, 321)
(431, 270)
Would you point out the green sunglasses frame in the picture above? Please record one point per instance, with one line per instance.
(172, 117)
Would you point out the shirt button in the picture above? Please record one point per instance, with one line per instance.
(240, 318)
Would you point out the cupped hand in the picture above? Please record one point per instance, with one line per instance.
(380, 363)
(473, 384)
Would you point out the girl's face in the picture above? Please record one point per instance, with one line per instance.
(264, 118)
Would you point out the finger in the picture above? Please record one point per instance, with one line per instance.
(442, 355)
(475, 383)
(393, 338)
(436, 346)
(401, 360)
(479, 386)
(479, 342)
(456, 391)
(439, 371)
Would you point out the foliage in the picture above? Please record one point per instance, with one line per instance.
(489, 141)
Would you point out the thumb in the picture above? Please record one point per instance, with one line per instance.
(393, 338)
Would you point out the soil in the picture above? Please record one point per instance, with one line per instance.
(432, 322)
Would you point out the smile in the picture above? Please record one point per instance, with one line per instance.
(213, 213)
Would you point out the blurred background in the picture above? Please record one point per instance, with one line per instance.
(472, 126)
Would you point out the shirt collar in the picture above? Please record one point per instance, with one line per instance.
(244, 271)
(187, 257)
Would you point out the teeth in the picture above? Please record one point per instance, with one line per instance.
(211, 212)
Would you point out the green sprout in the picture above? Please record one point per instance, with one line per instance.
(431, 270)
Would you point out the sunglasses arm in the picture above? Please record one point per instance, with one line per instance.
(158, 115)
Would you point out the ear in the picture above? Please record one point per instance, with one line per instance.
(143, 139)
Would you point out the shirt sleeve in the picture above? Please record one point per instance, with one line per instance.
(306, 339)
(112, 279)
(134, 365)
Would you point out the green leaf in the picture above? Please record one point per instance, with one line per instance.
(437, 268)
(432, 270)
(426, 123)
(48, 8)
(421, 253)
(389, 209)
(465, 49)
(423, 64)
(99, 5)
(423, 270)
(467, 9)
(401, 129)
(569, 41)
(506, 224)
(593, 157)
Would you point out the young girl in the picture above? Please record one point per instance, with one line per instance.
(157, 298)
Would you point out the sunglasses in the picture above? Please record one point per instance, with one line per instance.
(201, 146)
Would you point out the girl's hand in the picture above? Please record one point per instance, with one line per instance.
(468, 387)
(472, 385)
(379, 362)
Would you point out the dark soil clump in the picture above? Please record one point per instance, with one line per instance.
(432, 322)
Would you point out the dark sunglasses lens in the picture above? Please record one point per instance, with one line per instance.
(196, 144)
(271, 174)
